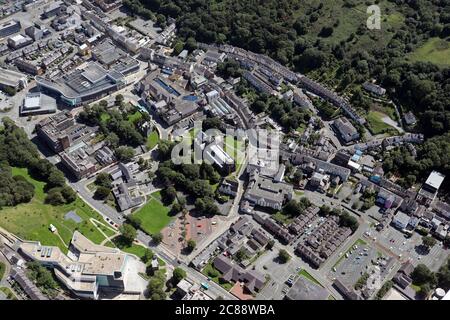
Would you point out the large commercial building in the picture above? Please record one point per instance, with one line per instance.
(19, 41)
(83, 86)
(8, 28)
(13, 79)
(37, 103)
(266, 192)
(90, 268)
(346, 130)
(60, 131)
(430, 188)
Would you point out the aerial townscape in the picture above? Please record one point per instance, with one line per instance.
(212, 150)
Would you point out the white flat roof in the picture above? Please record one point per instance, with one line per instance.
(435, 179)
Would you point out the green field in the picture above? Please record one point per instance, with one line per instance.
(154, 216)
(308, 276)
(435, 50)
(376, 124)
(31, 220)
(152, 139)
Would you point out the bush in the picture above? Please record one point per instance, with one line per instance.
(157, 238)
(69, 194)
(284, 256)
(102, 193)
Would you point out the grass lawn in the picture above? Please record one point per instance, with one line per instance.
(152, 139)
(31, 221)
(134, 117)
(415, 288)
(154, 216)
(280, 217)
(208, 268)
(2, 270)
(135, 249)
(435, 50)
(104, 117)
(308, 276)
(157, 195)
(9, 294)
(301, 128)
(376, 124)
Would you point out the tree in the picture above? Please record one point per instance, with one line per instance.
(284, 256)
(128, 233)
(56, 179)
(41, 275)
(157, 238)
(424, 291)
(10, 91)
(112, 140)
(55, 197)
(422, 275)
(103, 179)
(176, 207)
(135, 221)
(241, 255)
(191, 244)
(124, 153)
(347, 220)
(178, 275)
(69, 194)
(270, 244)
(102, 192)
(168, 195)
(119, 100)
(292, 208)
(148, 255)
(103, 104)
(428, 242)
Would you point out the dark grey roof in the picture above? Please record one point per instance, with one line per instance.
(303, 289)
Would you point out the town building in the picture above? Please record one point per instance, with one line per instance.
(60, 131)
(19, 41)
(373, 88)
(304, 289)
(53, 9)
(253, 281)
(430, 188)
(36, 103)
(229, 186)
(213, 153)
(265, 192)
(346, 130)
(410, 119)
(9, 27)
(83, 86)
(108, 5)
(78, 160)
(90, 268)
(12, 79)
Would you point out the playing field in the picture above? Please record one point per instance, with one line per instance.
(154, 216)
